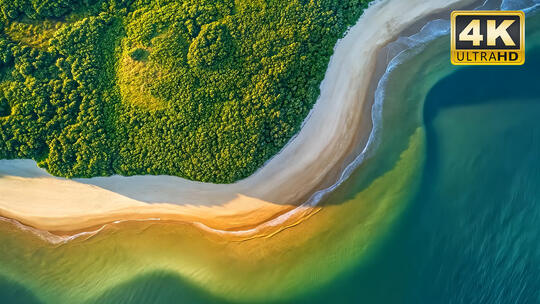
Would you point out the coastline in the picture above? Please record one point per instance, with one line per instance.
(310, 160)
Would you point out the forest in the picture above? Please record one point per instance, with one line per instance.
(205, 90)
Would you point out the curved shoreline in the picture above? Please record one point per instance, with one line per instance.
(55, 204)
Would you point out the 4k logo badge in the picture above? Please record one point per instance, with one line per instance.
(488, 37)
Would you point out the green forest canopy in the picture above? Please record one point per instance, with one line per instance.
(206, 90)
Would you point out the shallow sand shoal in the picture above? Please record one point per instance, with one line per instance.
(31, 196)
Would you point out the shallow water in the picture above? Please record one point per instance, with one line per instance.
(471, 235)
(447, 211)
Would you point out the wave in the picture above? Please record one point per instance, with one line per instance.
(62, 239)
(524, 5)
(48, 236)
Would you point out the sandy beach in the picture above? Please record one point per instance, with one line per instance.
(331, 132)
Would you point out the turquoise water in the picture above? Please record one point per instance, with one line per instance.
(472, 235)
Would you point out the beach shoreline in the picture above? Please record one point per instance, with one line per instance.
(310, 161)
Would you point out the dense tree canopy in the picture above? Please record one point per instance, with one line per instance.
(206, 90)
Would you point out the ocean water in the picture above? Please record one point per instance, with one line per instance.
(472, 232)
(446, 211)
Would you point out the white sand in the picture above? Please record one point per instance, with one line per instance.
(30, 195)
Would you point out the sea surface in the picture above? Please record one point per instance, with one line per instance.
(472, 232)
(447, 210)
